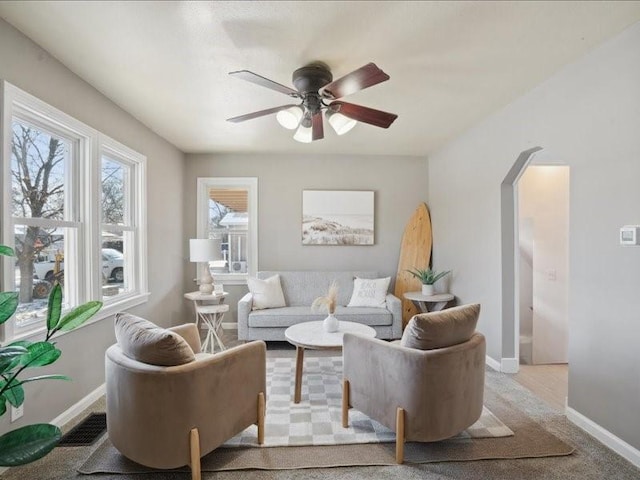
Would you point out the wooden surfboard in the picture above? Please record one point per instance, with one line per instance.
(415, 252)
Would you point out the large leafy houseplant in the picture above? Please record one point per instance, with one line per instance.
(31, 442)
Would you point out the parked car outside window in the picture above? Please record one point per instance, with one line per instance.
(112, 266)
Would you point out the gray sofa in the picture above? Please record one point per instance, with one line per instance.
(300, 289)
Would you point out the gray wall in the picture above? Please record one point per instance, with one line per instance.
(587, 116)
(27, 66)
(399, 183)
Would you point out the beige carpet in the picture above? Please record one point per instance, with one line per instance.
(530, 440)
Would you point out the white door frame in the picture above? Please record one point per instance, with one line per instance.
(510, 234)
(510, 361)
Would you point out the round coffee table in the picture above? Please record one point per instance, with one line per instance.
(311, 335)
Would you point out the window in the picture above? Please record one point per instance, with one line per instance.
(228, 212)
(51, 163)
(120, 181)
(44, 227)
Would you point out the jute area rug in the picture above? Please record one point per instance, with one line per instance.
(310, 435)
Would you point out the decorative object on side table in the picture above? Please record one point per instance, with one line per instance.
(204, 250)
(329, 301)
(428, 278)
(31, 442)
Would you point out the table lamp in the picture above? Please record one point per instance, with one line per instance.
(204, 250)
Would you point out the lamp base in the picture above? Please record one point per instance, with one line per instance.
(206, 281)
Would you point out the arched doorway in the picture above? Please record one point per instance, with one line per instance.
(535, 204)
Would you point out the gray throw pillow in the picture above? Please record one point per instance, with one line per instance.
(145, 342)
(427, 331)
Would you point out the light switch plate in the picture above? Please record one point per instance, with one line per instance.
(16, 413)
(630, 235)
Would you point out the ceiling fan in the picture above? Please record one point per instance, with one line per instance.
(315, 87)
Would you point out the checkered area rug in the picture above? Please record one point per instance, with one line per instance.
(317, 419)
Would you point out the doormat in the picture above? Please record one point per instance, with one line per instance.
(86, 432)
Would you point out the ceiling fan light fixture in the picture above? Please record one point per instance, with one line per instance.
(304, 133)
(340, 123)
(290, 117)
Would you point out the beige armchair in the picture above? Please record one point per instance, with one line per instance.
(424, 395)
(169, 416)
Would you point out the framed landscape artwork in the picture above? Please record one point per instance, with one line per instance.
(337, 217)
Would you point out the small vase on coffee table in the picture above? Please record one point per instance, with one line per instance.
(330, 324)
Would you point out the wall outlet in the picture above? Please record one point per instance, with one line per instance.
(16, 413)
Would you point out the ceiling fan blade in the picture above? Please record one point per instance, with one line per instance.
(359, 79)
(264, 82)
(368, 115)
(317, 128)
(261, 113)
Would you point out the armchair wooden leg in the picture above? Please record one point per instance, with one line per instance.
(194, 448)
(261, 409)
(400, 435)
(345, 403)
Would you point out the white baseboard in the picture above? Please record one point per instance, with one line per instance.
(229, 325)
(509, 365)
(604, 436)
(492, 363)
(79, 406)
(506, 365)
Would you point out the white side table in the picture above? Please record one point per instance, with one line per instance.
(429, 303)
(210, 310)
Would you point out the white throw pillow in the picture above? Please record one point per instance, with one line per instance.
(369, 292)
(266, 293)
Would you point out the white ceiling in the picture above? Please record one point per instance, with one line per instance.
(451, 63)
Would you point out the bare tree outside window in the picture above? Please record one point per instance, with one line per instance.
(37, 170)
(217, 211)
(113, 201)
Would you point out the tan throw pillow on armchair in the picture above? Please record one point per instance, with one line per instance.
(145, 342)
(427, 331)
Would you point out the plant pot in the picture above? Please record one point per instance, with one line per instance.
(428, 290)
(330, 324)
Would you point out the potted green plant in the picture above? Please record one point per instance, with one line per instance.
(31, 442)
(428, 278)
